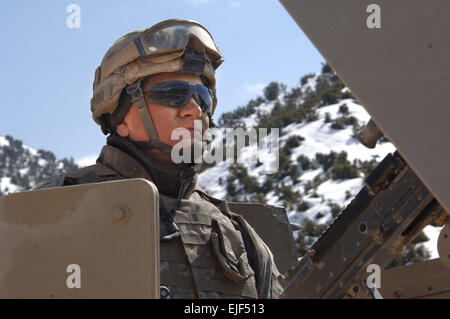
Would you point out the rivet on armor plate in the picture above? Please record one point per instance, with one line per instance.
(121, 214)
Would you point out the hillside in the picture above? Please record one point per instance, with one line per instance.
(322, 165)
(22, 167)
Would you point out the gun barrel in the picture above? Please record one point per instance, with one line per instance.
(390, 210)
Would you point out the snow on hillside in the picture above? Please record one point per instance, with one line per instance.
(87, 160)
(319, 137)
(22, 167)
(433, 234)
(265, 108)
(3, 141)
(7, 187)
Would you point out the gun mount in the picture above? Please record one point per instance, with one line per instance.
(390, 210)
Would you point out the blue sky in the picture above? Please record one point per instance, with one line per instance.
(48, 68)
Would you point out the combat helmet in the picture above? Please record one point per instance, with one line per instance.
(170, 46)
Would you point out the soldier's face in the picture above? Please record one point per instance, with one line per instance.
(165, 118)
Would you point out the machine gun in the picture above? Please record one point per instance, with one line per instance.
(389, 211)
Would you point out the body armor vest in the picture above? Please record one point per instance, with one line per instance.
(209, 259)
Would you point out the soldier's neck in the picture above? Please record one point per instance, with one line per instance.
(167, 178)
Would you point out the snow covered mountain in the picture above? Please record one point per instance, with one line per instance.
(22, 167)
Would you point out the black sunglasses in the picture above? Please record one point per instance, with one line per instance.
(179, 93)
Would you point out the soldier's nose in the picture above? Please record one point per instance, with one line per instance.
(192, 109)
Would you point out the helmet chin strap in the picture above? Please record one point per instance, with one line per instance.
(139, 101)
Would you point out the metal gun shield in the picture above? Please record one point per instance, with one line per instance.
(86, 241)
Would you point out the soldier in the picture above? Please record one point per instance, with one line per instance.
(149, 83)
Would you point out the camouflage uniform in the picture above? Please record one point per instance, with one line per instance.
(217, 253)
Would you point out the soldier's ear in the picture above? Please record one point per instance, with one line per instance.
(122, 129)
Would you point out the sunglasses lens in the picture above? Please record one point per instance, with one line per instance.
(178, 94)
(204, 100)
(169, 96)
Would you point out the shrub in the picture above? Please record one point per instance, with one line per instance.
(246, 183)
(308, 186)
(269, 185)
(326, 93)
(318, 180)
(347, 95)
(312, 229)
(327, 69)
(348, 195)
(315, 195)
(281, 116)
(233, 119)
(294, 141)
(258, 198)
(294, 173)
(344, 170)
(303, 206)
(293, 95)
(337, 125)
(304, 162)
(272, 91)
(305, 78)
(312, 116)
(335, 209)
(367, 167)
(284, 165)
(289, 196)
(327, 160)
(343, 121)
(302, 244)
(343, 108)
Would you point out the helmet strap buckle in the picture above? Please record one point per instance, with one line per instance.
(137, 96)
(138, 100)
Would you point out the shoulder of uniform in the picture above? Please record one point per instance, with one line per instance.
(199, 193)
(98, 170)
(90, 174)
